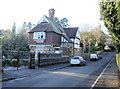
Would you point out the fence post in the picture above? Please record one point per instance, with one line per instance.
(39, 59)
(32, 60)
(18, 60)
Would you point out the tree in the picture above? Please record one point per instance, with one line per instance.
(13, 30)
(64, 22)
(22, 37)
(29, 25)
(88, 40)
(22, 41)
(24, 26)
(99, 36)
(13, 39)
(110, 13)
(16, 41)
(7, 40)
(93, 39)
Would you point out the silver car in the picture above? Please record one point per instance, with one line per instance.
(77, 61)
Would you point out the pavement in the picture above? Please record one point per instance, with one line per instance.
(110, 77)
(14, 74)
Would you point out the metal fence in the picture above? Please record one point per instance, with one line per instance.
(14, 60)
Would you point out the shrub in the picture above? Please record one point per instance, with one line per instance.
(8, 61)
(118, 60)
(93, 49)
(15, 62)
(99, 47)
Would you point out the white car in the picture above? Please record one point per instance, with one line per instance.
(77, 61)
(93, 57)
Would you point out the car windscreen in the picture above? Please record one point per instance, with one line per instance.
(93, 55)
(75, 58)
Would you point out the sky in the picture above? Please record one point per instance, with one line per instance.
(78, 12)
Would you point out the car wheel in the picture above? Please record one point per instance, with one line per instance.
(82, 64)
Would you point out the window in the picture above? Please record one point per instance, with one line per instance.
(39, 35)
(57, 50)
(63, 39)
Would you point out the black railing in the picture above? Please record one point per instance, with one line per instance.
(15, 59)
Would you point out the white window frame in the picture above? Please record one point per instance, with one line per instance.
(39, 36)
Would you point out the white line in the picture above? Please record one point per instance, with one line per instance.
(100, 75)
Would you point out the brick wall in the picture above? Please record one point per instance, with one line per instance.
(51, 39)
(47, 59)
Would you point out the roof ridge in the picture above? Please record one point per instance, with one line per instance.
(59, 28)
(72, 27)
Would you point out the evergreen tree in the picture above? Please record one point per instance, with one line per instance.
(29, 25)
(13, 30)
(64, 22)
(110, 12)
(13, 35)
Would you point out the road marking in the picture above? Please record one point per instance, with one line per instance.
(101, 74)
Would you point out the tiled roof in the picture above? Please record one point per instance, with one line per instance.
(71, 32)
(50, 26)
(42, 27)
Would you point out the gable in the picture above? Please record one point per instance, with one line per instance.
(43, 20)
(71, 32)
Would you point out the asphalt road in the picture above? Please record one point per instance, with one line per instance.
(75, 76)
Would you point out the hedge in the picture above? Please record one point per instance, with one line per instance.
(118, 60)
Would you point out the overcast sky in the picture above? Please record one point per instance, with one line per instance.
(76, 11)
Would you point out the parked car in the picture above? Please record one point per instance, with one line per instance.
(93, 57)
(77, 61)
(99, 56)
(107, 48)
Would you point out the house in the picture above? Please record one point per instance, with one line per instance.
(74, 35)
(50, 37)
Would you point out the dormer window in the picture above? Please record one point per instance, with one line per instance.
(39, 36)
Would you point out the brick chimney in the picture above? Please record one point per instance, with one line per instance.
(51, 13)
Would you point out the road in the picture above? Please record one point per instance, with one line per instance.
(75, 76)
